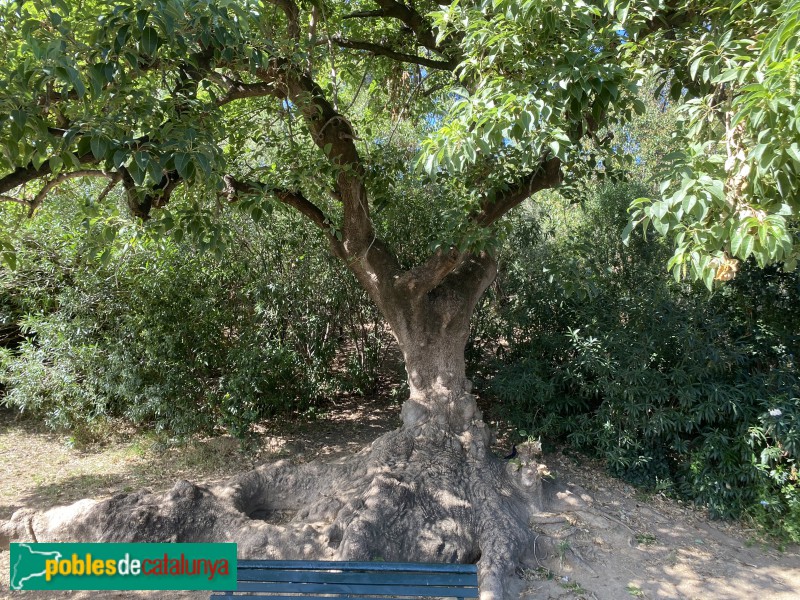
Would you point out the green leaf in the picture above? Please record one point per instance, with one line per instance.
(137, 173)
(149, 41)
(97, 78)
(38, 160)
(183, 160)
(695, 64)
(626, 233)
(141, 18)
(747, 246)
(75, 80)
(204, 162)
(793, 151)
(99, 146)
(431, 165)
(622, 13)
(155, 171)
(660, 226)
(708, 277)
(737, 237)
(120, 156)
(18, 120)
(141, 159)
(10, 259)
(55, 163)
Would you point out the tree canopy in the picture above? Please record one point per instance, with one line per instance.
(303, 103)
(404, 131)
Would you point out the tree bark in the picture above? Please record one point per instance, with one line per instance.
(432, 329)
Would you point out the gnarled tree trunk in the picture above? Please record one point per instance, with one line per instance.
(428, 491)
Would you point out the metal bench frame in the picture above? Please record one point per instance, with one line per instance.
(323, 580)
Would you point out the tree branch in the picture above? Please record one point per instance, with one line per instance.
(111, 185)
(37, 200)
(238, 90)
(22, 175)
(423, 278)
(333, 134)
(378, 50)
(413, 20)
(472, 276)
(547, 175)
(234, 188)
(366, 14)
(34, 203)
(4, 198)
(440, 265)
(292, 13)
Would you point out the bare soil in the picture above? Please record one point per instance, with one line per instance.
(616, 543)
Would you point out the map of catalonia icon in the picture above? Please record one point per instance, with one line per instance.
(28, 564)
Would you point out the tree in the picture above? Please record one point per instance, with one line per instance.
(298, 104)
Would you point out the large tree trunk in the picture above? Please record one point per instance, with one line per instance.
(432, 331)
(430, 491)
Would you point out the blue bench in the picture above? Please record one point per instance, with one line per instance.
(321, 580)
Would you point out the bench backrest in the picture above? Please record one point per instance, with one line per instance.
(363, 580)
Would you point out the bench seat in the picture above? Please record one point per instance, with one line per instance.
(326, 580)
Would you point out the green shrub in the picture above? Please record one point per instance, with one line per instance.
(166, 336)
(671, 386)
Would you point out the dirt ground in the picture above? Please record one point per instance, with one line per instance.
(617, 543)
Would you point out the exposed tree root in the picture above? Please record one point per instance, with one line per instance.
(417, 494)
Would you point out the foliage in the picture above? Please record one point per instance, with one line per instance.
(682, 393)
(539, 79)
(404, 134)
(731, 190)
(226, 96)
(169, 337)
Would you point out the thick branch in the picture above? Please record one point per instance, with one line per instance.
(366, 14)
(238, 90)
(413, 20)
(333, 134)
(234, 188)
(547, 175)
(472, 276)
(22, 175)
(378, 50)
(452, 264)
(423, 278)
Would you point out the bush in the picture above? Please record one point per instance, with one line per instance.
(678, 391)
(166, 336)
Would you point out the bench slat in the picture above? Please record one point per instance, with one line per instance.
(298, 565)
(356, 589)
(329, 580)
(372, 577)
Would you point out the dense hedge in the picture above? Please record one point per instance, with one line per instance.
(678, 390)
(169, 337)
